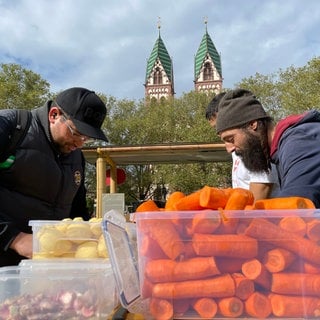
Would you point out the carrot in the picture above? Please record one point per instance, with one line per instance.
(239, 199)
(303, 284)
(161, 309)
(172, 199)
(294, 224)
(313, 230)
(244, 286)
(231, 307)
(263, 229)
(165, 270)
(218, 287)
(311, 268)
(253, 269)
(278, 259)
(258, 305)
(225, 245)
(229, 265)
(284, 203)
(294, 306)
(189, 202)
(148, 205)
(212, 198)
(229, 222)
(203, 222)
(205, 307)
(150, 248)
(167, 237)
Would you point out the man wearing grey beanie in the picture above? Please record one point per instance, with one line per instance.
(292, 144)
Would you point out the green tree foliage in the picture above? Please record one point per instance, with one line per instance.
(290, 91)
(180, 120)
(21, 88)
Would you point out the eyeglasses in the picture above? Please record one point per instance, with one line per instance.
(73, 131)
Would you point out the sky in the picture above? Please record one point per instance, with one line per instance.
(104, 45)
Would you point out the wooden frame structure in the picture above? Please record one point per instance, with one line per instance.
(114, 156)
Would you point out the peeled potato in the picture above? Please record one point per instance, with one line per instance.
(102, 248)
(95, 226)
(49, 240)
(78, 232)
(88, 249)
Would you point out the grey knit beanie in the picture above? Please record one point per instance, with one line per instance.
(238, 107)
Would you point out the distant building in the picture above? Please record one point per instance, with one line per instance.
(159, 76)
(207, 67)
(159, 82)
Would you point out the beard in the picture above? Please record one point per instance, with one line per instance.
(255, 157)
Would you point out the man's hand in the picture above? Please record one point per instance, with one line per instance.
(22, 244)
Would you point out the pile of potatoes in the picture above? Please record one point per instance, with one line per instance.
(71, 238)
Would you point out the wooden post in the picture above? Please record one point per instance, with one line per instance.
(101, 182)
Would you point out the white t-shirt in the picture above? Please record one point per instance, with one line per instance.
(241, 176)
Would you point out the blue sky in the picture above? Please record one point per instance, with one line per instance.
(104, 44)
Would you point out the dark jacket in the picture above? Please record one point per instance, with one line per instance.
(42, 184)
(296, 152)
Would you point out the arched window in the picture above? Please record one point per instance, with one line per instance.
(207, 71)
(157, 76)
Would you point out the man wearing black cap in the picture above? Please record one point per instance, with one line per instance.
(46, 178)
(292, 144)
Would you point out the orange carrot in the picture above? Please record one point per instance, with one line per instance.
(286, 306)
(231, 307)
(150, 248)
(294, 224)
(265, 230)
(165, 270)
(172, 199)
(258, 305)
(225, 245)
(212, 198)
(229, 265)
(313, 229)
(278, 259)
(203, 222)
(205, 307)
(253, 269)
(284, 203)
(167, 237)
(239, 199)
(244, 286)
(229, 222)
(303, 284)
(161, 309)
(218, 287)
(189, 202)
(148, 205)
(311, 268)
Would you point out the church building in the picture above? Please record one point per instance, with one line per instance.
(159, 83)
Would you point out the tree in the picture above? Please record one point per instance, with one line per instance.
(288, 91)
(21, 88)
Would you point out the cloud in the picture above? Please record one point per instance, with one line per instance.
(104, 45)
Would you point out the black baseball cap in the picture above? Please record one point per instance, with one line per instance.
(86, 110)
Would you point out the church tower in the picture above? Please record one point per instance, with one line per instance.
(207, 66)
(159, 75)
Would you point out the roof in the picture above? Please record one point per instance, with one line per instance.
(207, 46)
(160, 52)
(159, 154)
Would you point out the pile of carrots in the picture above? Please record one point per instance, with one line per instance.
(212, 262)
